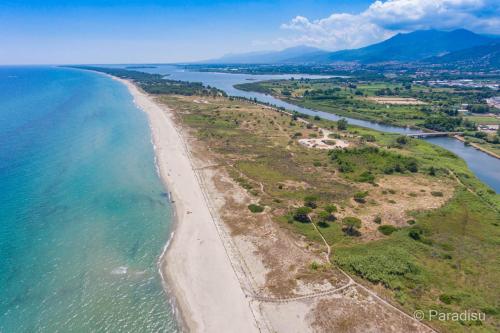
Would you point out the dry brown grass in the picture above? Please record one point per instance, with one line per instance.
(356, 312)
(277, 257)
(395, 197)
(396, 100)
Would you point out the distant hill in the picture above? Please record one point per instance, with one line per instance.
(406, 47)
(268, 57)
(478, 56)
(403, 47)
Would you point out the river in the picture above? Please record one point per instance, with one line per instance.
(485, 167)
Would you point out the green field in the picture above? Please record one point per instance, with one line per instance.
(451, 267)
(484, 120)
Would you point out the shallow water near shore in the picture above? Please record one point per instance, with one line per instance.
(83, 214)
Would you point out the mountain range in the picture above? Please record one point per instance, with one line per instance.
(422, 45)
(487, 55)
(268, 57)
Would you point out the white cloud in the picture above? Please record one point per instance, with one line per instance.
(382, 19)
(337, 31)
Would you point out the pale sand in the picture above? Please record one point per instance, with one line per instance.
(321, 143)
(197, 268)
(396, 100)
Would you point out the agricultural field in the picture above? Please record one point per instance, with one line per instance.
(484, 120)
(404, 217)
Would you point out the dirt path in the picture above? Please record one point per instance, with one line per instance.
(353, 282)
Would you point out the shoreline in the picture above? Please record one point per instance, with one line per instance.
(266, 308)
(194, 266)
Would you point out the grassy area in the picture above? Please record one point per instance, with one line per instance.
(364, 164)
(338, 99)
(356, 99)
(487, 145)
(451, 267)
(443, 259)
(491, 147)
(485, 120)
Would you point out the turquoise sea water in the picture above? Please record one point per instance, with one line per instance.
(83, 214)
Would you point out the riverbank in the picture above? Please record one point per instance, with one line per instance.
(483, 165)
(478, 147)
(196, 266)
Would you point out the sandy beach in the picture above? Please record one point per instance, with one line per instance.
(221, 282)
(196, 266)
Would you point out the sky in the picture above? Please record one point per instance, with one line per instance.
(154, 31)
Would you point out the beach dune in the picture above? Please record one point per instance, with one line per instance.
(197, 269)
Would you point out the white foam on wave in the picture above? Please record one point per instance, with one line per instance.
(120, 270)
(170, 296)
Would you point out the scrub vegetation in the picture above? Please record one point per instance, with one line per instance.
(392, 101)
(440, 252)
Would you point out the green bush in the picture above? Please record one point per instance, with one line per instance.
(387, 229)
(351, 224)
(364, 164)
(448, 299)
(369, 138)
(402, 140)
(412, 166)
(377, 219)
(311, 201)
(437, 194)
(366, 177)
(325, 216)
(360, 196)
(301, 214)
(416, 233)
(331, 208)
(342, 124)
(390, 268)
(255, 208)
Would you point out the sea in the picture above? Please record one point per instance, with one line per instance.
(84, 216)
